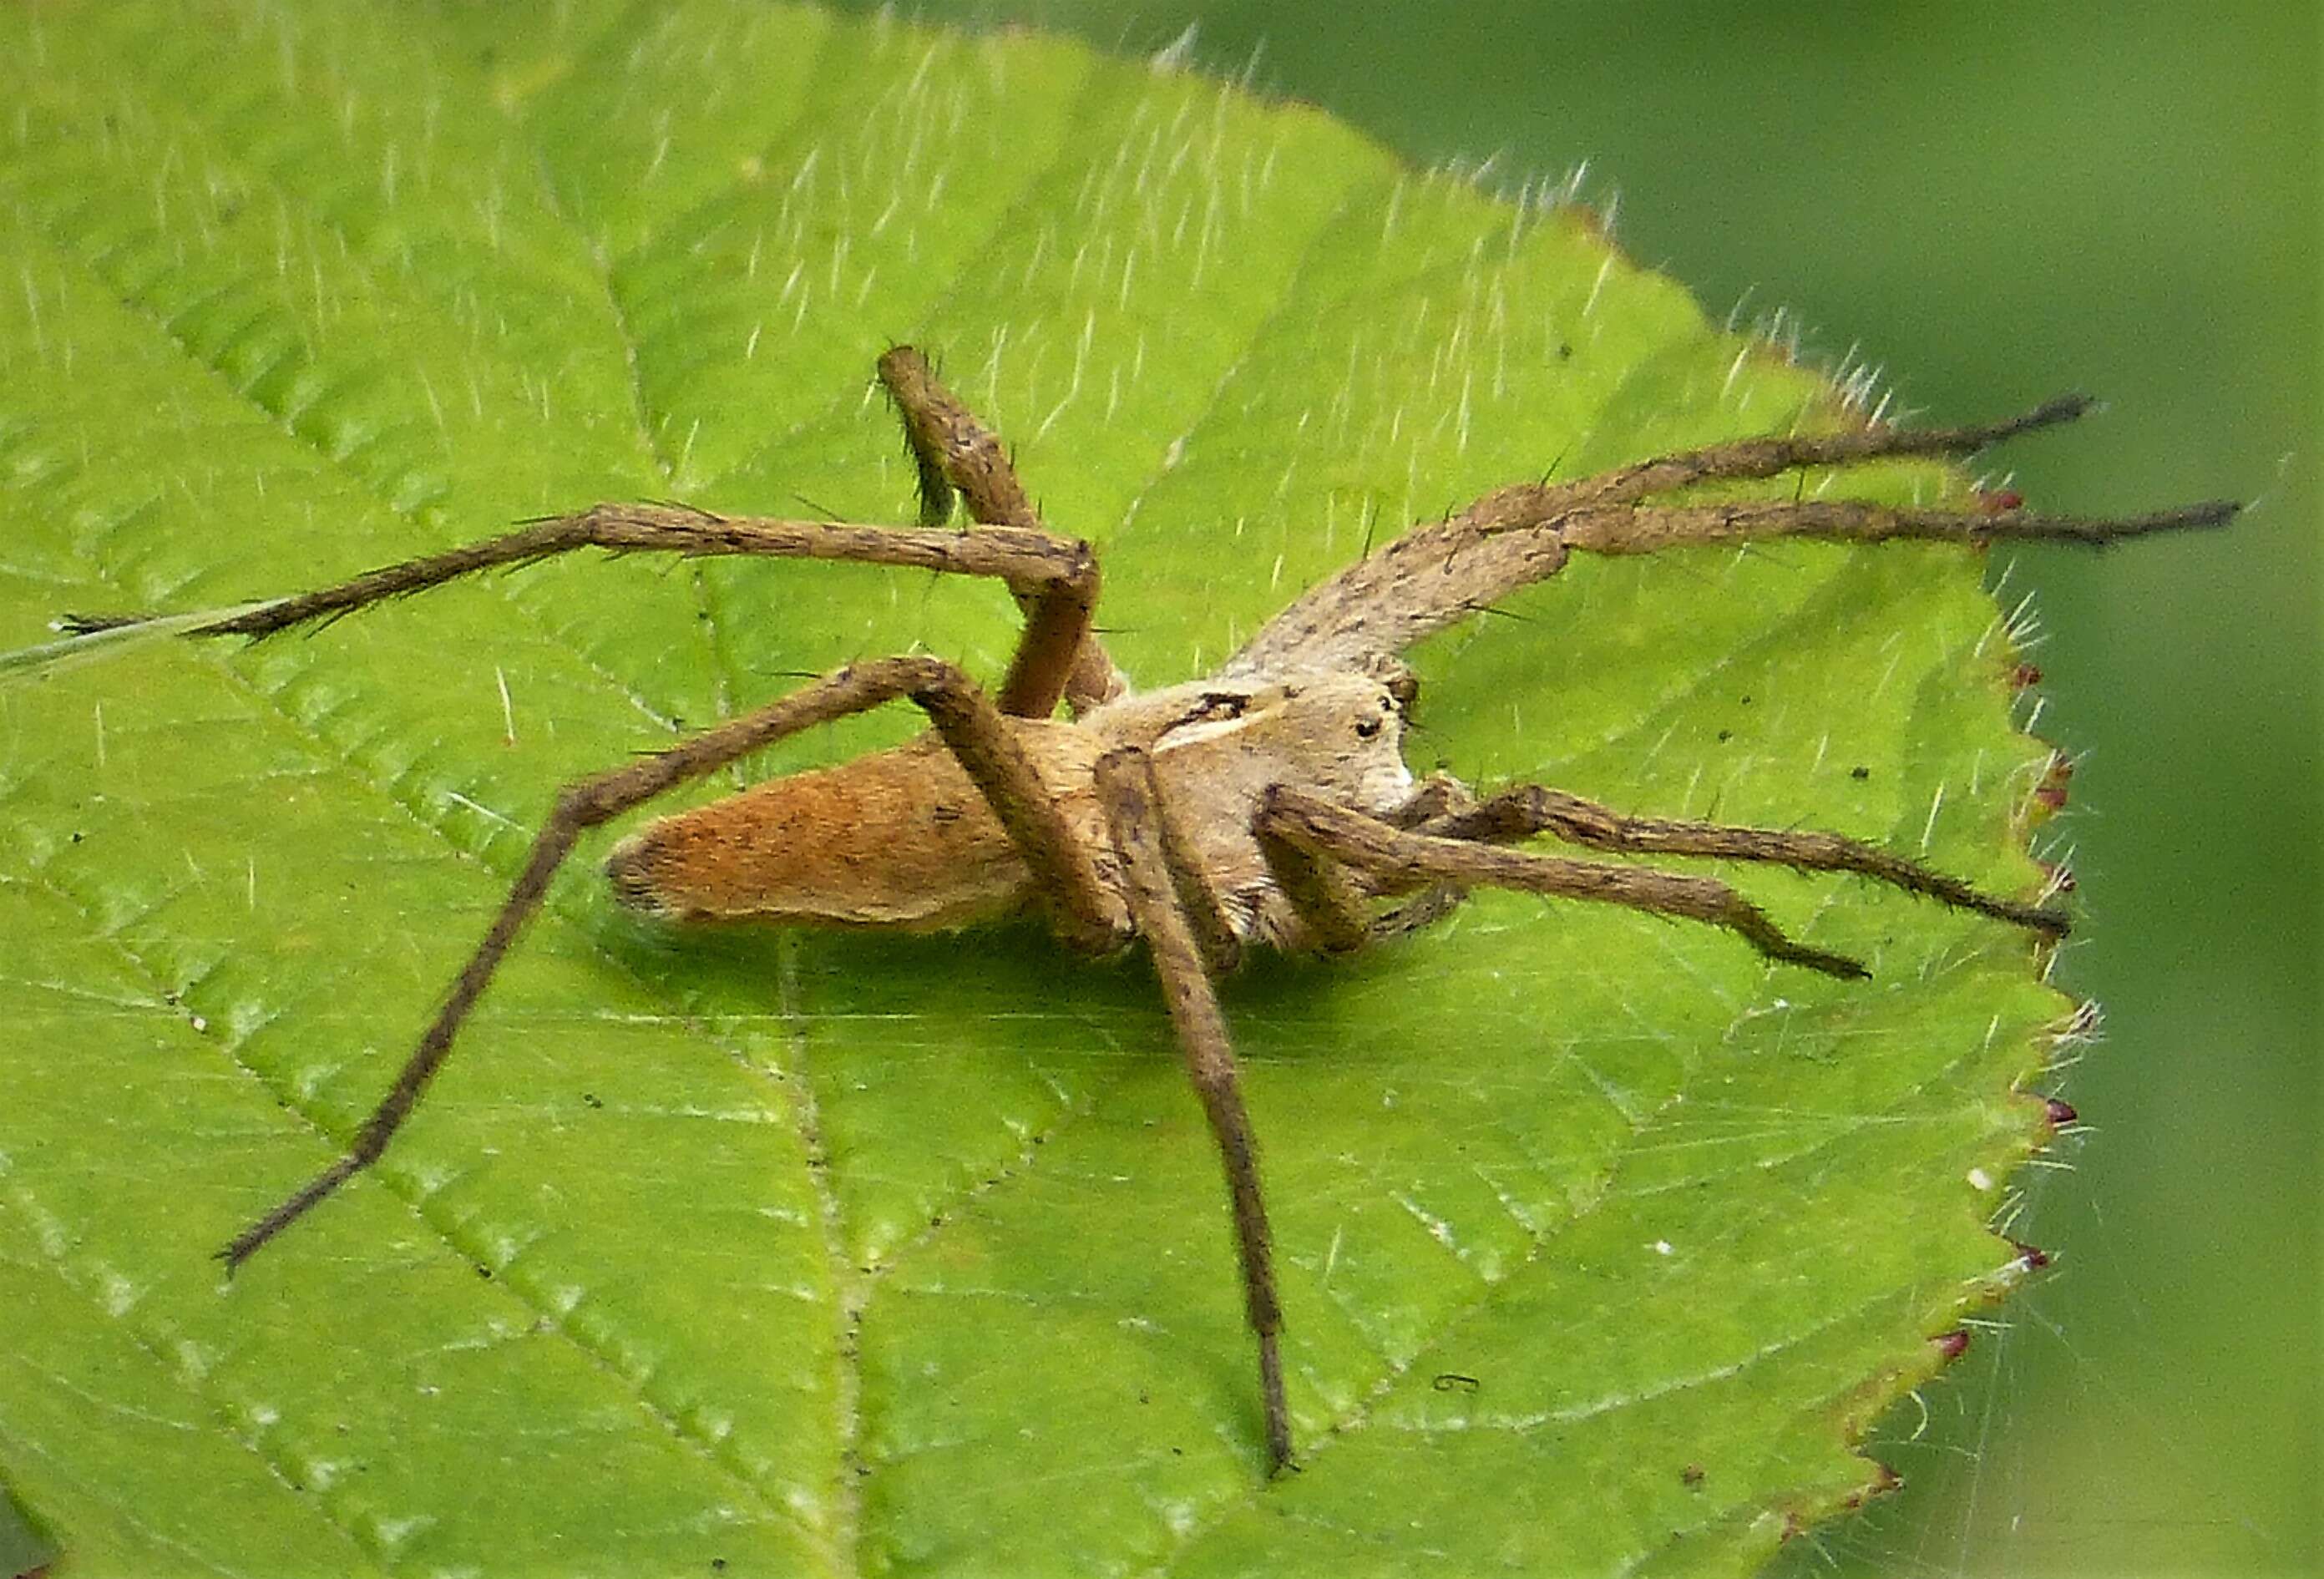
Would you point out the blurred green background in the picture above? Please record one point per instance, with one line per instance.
(1996, 202)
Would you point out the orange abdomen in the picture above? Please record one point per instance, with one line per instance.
(901, 838)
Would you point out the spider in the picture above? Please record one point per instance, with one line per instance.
(1267, 803)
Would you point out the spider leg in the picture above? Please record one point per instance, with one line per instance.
(1439, 796)
(1437, 574)
(953, 449)
(1054, 579)
(1647, 529)
(1532, 808)
(1062, 574)
(1126, 786)
(968, 722)
(1330, 897)
(1772, 454)
(1436, 797)
(1319, 889)
(1198, 897)
(1397, 858)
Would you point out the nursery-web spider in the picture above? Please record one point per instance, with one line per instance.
(1268, 802)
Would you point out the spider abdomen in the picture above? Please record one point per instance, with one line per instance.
(900, 838)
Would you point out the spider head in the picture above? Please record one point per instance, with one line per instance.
(1336, 733)
(1349, 730)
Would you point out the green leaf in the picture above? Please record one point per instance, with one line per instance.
(802, 1253)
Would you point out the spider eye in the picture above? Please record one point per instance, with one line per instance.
(1367, 728)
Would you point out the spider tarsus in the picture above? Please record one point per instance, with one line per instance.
(2047, 920)
(2064, 407)
(89, 624)
(2102, 532)
(1742, 917)
(1527, 809)
(243, 1245)
(2207, 516)
(1831, 964)
(1278, 1418)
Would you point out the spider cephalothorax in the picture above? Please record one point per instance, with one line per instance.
(905, 838)
(1268, 803)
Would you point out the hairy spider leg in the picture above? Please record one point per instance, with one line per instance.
(1055, 579)
(953, 449)
(1769, 455)
(1154, 882)
(1439, 795)
(1529, 810)
(964, 719)
(1647, 529)
(1063, 572)
(1198, 897)
(1439, 574)
(1399, 859)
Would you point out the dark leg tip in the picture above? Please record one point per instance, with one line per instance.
(1831, 964)
(2048, 920)
(2065, 408)
(71, 624)
(2050, 923)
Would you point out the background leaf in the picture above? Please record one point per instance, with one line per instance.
(306, 291)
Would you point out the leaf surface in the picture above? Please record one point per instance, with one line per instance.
(806, 1253)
